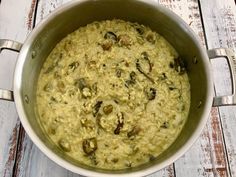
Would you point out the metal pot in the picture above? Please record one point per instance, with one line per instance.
(71, 16)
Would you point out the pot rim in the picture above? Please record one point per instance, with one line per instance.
(63, 163)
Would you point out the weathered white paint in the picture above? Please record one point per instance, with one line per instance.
(206, 157)
(200, 160)
(12, 26)
(220, 26)
(188, 10)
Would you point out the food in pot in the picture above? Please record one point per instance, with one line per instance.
(113, 94)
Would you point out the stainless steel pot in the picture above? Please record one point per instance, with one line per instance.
(79, 13)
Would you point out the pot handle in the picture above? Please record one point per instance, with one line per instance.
(230, 55)
(10, 45)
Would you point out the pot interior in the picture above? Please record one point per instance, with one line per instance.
(65, 20)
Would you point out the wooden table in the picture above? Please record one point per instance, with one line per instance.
(213, 154)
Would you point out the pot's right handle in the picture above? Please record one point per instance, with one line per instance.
(231, 59)
(10, 45)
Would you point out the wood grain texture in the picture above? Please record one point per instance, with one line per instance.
(188, 10)
(9, 127)
(31, 162)
(12, 26)
(219, 19)
(208, 155)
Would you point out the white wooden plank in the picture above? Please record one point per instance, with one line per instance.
(12, 26)
(198, 161)
(33, 163)
(9, 127)
(219, 19)
(206, 157)
(46, 7)
(188, 10)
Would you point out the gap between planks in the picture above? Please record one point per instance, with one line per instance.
(31, 22)
(221, 32)
(209, 132)
(215, 114)
(30, 27)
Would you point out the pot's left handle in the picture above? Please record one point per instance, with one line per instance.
(230, 55)
(10, 45)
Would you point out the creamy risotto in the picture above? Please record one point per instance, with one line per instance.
(113, 94)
